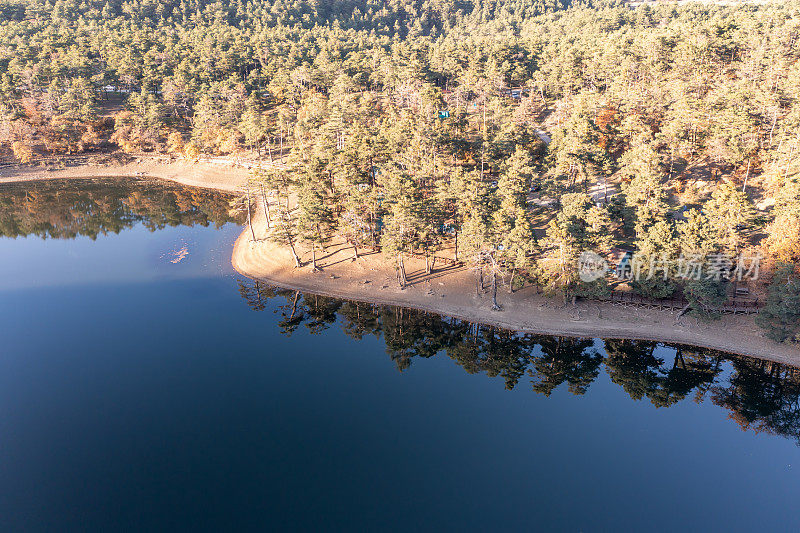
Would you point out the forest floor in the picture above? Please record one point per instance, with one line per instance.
(448, 290)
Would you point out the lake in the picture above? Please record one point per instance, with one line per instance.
(144, 385)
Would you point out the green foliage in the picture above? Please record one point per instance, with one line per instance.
(579, 227)
(787, 201)
(655, 261)
(731, 214)
(421, 124)
(315, 220)
(644, 189)
(697, 235)
(780, 317)
(594, 290)
(705, 296)
(577, 151)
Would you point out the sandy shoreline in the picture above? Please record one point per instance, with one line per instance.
(453, 294)
(217, 174)
(448, 291)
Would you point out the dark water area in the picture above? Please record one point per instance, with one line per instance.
(146, 386)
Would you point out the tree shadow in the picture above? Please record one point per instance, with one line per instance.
(418, 276)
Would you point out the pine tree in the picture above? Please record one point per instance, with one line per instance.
(731, 214)
(401, 220)
(519, 247)
(315, 219)
(705, 295)
(699, 241)
(285, 231)
(780, 317)
(655, 261)
(644, 189)
(579, 227)
(697, 235)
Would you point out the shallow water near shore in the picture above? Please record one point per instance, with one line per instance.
(144, 385)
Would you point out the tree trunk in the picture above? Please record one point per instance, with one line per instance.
(294, 304)
(401, 273)
(249, 218)
(747, 175)
(258, 294)
(679, 357)
(266, 205)
(671, 162)
(511, 281)
(313, 257)
(456, 256)
(355, 251)
(294, 254)
(495, 307)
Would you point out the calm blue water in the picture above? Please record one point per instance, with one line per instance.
(139, 394)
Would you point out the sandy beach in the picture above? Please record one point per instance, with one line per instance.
(213, 173)
(448, 290)
(452, 291)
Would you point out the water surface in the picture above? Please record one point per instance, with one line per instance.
(144, 385)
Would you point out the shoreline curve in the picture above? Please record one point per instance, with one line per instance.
(368, 280)
(220, 174)
(448, 292)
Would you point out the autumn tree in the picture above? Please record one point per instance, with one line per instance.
(22, 151)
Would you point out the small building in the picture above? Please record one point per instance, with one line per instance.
(622, 260)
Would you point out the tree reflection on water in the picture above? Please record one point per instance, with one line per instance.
(58, 209)
(760, 395)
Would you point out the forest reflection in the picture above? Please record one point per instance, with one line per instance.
(57, 209)
(760, 395)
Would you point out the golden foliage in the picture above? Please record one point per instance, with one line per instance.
(783, 243)
(90, 137)
(22, 152)
(607, 122)
(229, 142)
(31, 110)
(66, 136)
(192, 152)
(175, 143)
(126, 135)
